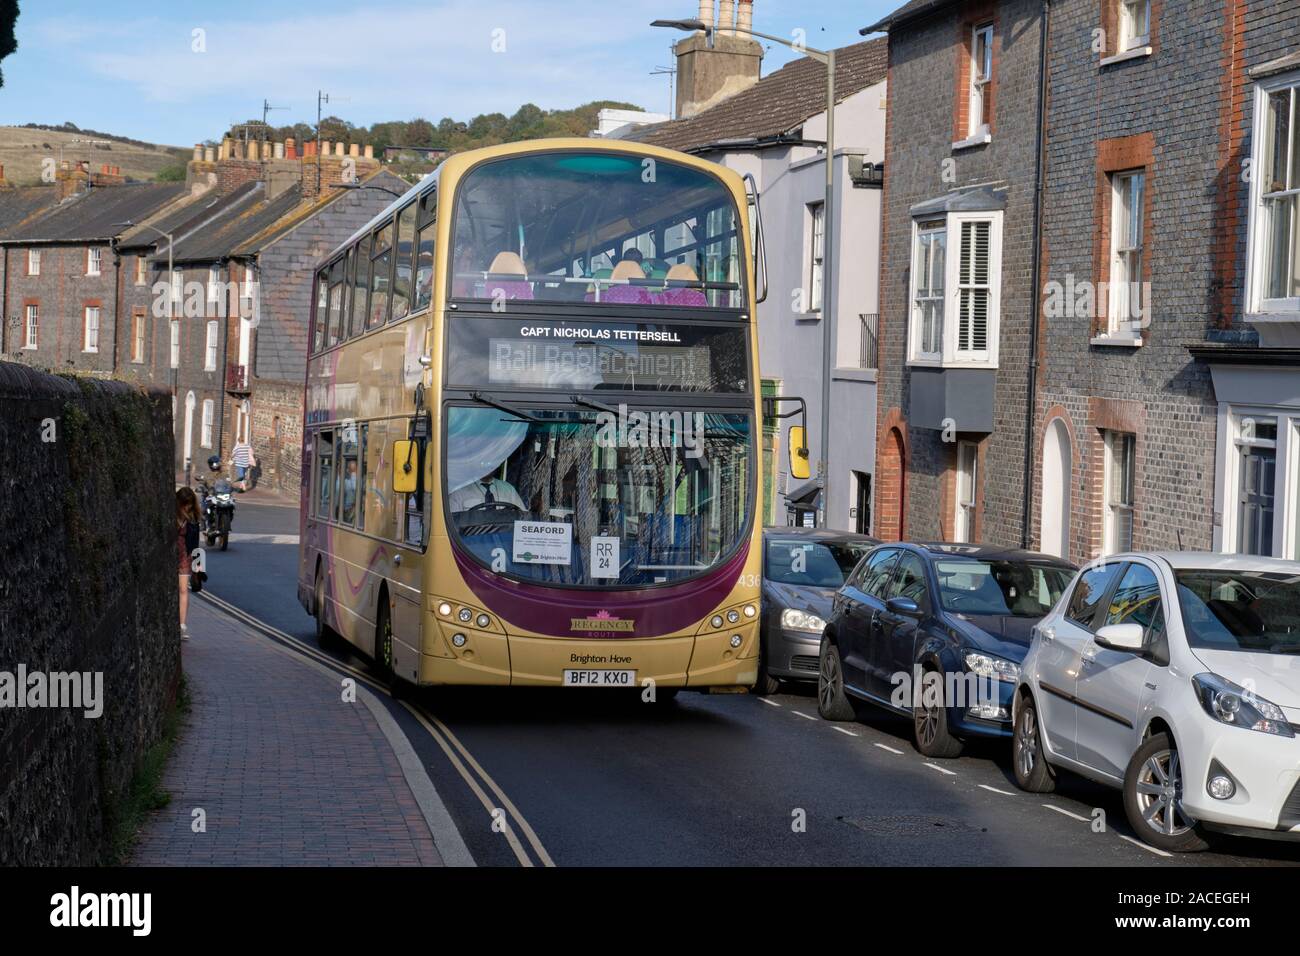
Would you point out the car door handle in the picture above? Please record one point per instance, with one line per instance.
(1048, 634)
(1150, 686)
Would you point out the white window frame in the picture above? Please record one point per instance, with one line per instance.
(93, 261)
(214, 288)
(33, 262)
(1288, 307)
(1110, 509)
(965, 492)
(951, 355)
(981, 76)
(250, 277)
(816, 271)
(1131, 15)
(924, 234)
(138, 337)
(178, 291)
(205, 431)
(174, 331)
(210, 346)
(141, 270)
(32, 326)
(1120, 319)
(90, 343)
(1286, 489)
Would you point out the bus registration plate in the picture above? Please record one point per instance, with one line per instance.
(599, 678)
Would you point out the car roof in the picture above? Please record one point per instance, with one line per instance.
(818, 534)
(984, 552)
(1213, 561)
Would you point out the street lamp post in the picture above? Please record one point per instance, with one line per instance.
(826, 57)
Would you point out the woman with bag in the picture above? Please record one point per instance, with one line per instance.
(187, 540)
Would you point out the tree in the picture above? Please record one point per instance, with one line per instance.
(8, 38)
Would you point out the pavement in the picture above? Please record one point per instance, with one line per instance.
(284, 771)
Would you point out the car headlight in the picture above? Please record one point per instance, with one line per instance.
(793, 619)
(1229, 703)
(995, 668)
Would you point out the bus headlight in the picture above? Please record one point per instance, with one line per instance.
(733, 616)
(444, 609)
(716, 623)
(482, 621)
(459, 639)
(750, 610)
(466, 615)
(736, 640)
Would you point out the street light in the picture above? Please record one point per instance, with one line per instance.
(826, 57)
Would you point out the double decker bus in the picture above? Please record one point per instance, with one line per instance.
(532, 423)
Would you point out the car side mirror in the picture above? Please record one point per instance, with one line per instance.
(1121, 637)
(903, 605)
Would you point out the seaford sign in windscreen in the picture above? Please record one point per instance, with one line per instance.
(581, 355)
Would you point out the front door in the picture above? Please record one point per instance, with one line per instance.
(1062, 644)
(1112, 684)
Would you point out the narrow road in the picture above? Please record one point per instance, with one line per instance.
(578, 778)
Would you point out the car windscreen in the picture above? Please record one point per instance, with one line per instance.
(812, 564)
(1240, 610)
(1005, 588)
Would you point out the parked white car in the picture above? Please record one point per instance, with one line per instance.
(1175, 677)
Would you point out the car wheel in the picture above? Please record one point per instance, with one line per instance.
(930, 720)
(832, 702)
(766, 683)
(1027, 756)
(1153, 798)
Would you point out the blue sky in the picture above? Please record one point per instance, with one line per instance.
(137, 73)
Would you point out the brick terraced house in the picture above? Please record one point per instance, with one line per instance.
(86, 284)
(1074, 240)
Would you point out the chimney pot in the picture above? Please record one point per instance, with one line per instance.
(290, 148)
(325, 147)
(370, 151)
(309, 148)
(355, 150)
(338, 148)
(706, 12)
(279, 150)
(209, 154)
(198, 152)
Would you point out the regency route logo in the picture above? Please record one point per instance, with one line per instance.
(603, 623)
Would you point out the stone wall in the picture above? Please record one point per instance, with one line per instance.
(87, 584)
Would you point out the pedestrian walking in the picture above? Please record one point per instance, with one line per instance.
(187, 540)
(242, 461)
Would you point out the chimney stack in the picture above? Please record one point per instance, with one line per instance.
(707, 75)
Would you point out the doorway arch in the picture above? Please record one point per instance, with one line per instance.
(1054, 514)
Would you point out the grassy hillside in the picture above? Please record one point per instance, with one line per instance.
(22, 150)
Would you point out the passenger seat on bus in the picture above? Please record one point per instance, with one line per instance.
(627, 294)
(508, 263)
(681, 295)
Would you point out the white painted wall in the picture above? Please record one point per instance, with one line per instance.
(790, 178)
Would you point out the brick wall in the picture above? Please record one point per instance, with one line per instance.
(88, 584)
(924, 88)
(1160, 113)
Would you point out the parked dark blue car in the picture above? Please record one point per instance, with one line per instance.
(936, 632)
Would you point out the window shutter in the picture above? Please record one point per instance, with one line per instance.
(974, 282)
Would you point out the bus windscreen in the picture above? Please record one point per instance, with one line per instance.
(593, 228)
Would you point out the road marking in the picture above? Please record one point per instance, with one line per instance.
(1005, 793)
(237, 537)
(843, 731)
(1139, 844)
(1072, 816)
(770, 703)
(439, 738)
(890, 749)
(935, 766)
(800, 713)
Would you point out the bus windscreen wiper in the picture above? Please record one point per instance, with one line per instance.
(593, 404)
(502, 406)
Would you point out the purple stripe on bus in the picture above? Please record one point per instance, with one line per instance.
(554, 611)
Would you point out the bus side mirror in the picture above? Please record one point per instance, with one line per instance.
(406, 467)
(799, 469)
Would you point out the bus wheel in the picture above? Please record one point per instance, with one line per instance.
(325, 636)
(384, 648)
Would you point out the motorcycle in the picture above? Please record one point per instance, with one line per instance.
(217, 506)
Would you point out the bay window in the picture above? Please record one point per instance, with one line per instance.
(956, 298)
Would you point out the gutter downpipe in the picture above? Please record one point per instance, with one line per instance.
(1036, 309)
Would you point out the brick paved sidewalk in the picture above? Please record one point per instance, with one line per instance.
(287, 773)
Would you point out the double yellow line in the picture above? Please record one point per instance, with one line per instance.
(500, 811)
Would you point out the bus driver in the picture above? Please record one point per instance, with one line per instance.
(486, 490)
